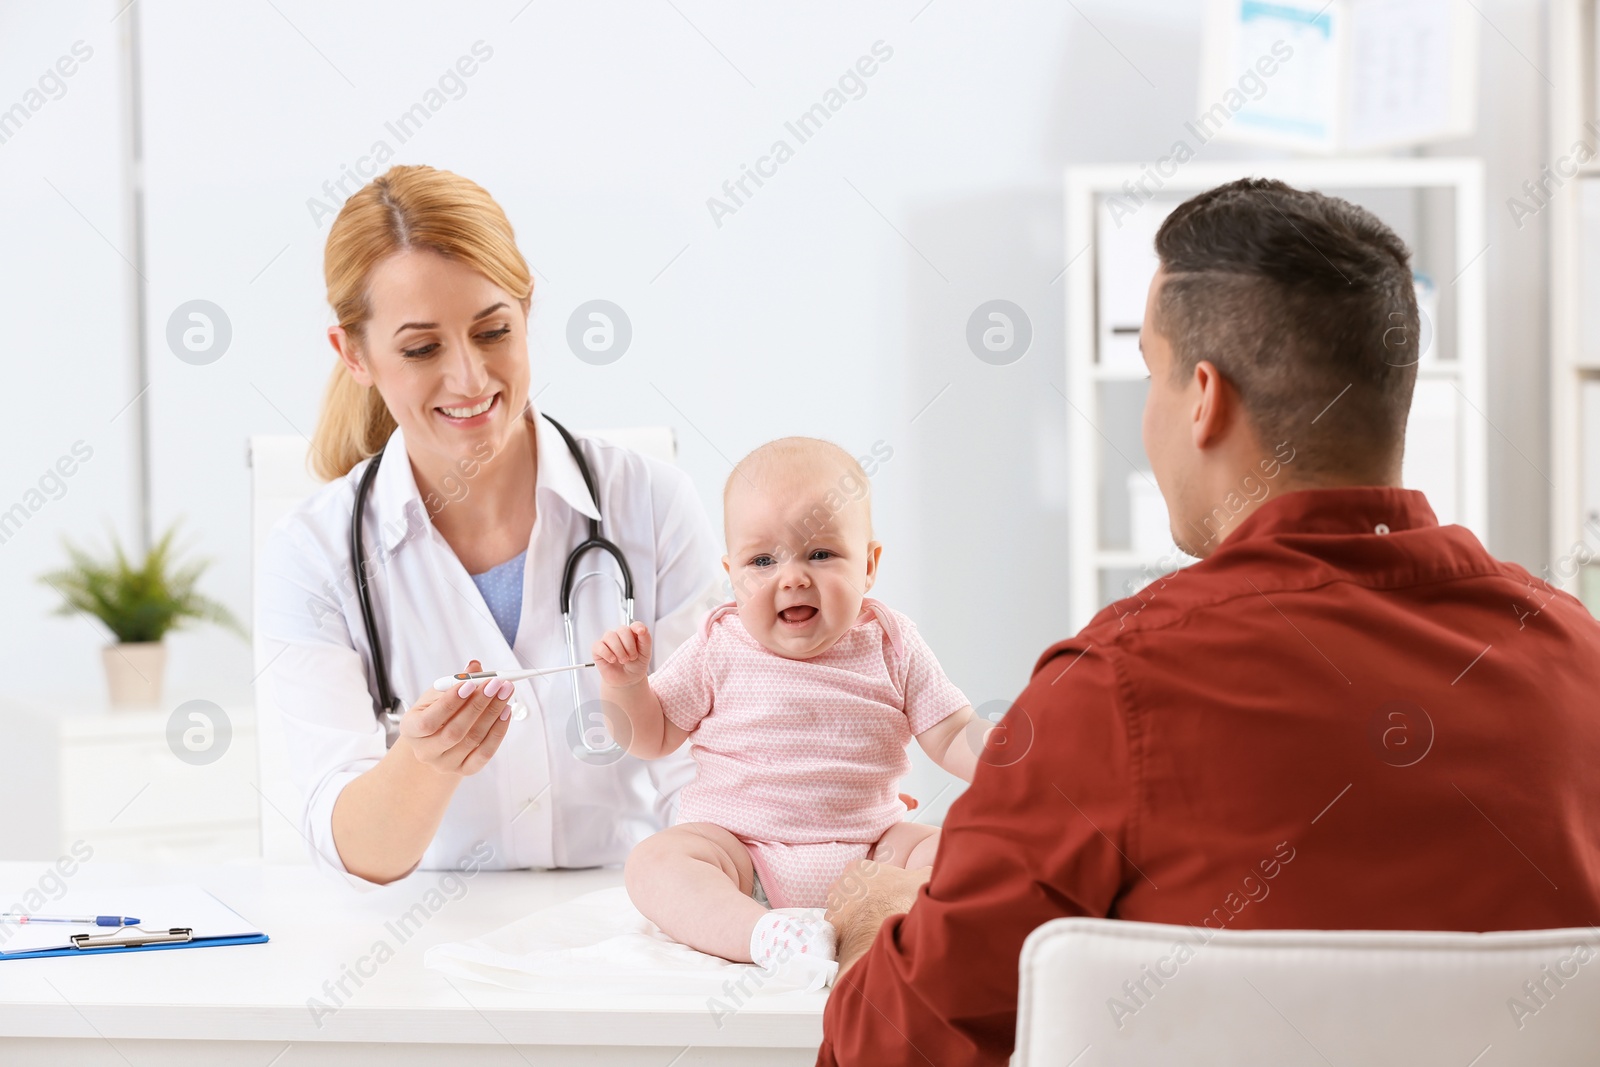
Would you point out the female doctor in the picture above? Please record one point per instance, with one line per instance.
(468, 522)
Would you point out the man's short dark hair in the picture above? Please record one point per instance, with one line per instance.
(1305, 303)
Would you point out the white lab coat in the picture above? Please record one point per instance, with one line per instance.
(542, 801)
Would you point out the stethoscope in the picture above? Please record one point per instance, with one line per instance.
(390, 708)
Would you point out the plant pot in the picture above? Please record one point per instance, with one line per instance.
(134, 672)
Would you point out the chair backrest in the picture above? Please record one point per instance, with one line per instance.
(1135, 994)
(279, 480)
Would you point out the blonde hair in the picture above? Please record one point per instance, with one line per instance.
(789, 455)
(412, 207)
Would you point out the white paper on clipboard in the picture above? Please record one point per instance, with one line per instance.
(156, 908)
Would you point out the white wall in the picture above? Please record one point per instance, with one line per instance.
(832, 303)
(65, 303)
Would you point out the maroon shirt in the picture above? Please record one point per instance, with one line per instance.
(1320, 726)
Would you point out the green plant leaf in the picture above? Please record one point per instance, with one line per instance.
(142, 602)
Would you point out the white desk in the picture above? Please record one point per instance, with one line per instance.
(248, 1004)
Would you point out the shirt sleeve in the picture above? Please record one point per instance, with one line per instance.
(684, 685)
(1039, 835)
(316, 681)
(930, 696)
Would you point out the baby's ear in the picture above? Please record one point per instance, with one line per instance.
(874, 551)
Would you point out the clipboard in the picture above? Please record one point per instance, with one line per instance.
(172, 916)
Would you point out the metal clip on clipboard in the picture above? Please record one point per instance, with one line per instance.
(145, 937)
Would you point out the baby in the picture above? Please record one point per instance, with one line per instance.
(798, 701)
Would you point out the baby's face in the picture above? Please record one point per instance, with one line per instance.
(800, 559)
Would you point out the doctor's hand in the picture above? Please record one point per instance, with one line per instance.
(457, 731)
(623, 656)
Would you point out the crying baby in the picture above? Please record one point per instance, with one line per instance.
(798, 700)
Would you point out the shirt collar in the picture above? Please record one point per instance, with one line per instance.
(1361, 509)
(397, 503)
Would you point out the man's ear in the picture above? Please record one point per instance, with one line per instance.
(1213, 403)
(874, 550)
(345, 346)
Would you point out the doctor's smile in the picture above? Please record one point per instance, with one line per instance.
(468, 414)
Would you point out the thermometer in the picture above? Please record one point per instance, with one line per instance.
(451, 680)
(518, 712)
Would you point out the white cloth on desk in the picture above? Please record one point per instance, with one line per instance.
(598, 943)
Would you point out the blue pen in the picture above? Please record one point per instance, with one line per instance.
(91, 920)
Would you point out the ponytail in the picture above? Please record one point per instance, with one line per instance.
(355, 424)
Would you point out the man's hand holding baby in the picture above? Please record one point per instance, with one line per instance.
(863, 897)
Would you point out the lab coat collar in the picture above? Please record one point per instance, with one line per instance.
(396, 503)
(556, 470)
(401, 514)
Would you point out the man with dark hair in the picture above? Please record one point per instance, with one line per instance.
(1305, 305)
(1345, 716)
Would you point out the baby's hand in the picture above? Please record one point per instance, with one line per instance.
(623, 656)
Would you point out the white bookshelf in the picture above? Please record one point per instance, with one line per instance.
(1574, 355)
(1102, 570)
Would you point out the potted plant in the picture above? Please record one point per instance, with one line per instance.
(139, 604)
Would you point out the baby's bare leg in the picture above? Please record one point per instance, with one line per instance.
(907, 844)
(694, 881)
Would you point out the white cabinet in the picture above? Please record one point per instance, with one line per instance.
(136, 787)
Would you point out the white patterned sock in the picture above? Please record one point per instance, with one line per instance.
(797, 945)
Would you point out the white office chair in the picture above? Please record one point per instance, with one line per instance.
(1102, 991)
(280, 480)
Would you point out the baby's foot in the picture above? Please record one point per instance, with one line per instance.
(797, 945)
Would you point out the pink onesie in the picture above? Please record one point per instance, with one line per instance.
(799, 759)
